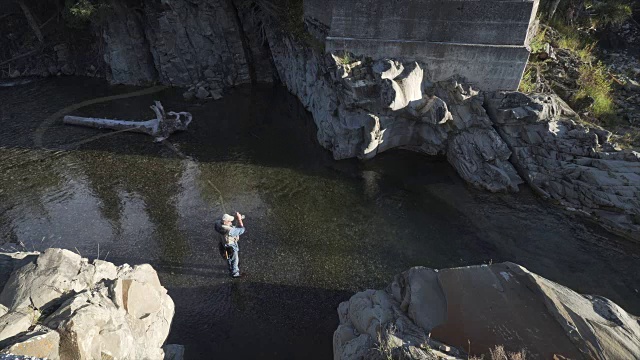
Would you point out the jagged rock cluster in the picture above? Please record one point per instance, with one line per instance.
(567, 161)
(479, 307)
(363, 107)
(58, 305)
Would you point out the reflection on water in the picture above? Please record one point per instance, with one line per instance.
(318, 230)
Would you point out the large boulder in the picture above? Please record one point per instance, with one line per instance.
(569, 161)
(484, 306)
(52, 276)
(10, 262)
(59, 305)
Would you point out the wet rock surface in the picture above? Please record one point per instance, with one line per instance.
(61, 306)
(500, 304)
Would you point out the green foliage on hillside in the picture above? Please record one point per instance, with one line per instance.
(79, 13)
(608, 12)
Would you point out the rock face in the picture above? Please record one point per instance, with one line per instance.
(500, 304)
(567, 161)
(61, 306)
(182, 43)
(364, 107)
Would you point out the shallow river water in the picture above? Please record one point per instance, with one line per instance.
(318, 230)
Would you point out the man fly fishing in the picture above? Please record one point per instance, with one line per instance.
(229, 236)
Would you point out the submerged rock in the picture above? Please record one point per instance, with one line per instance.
(60, 305)
(483, 306)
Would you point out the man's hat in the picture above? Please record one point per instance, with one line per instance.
(227, 217)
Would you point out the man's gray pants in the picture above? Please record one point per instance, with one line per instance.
(233, 260)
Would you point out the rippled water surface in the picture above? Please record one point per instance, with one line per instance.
(318, 230)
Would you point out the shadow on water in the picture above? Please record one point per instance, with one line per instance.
(318, 229)
(286, 322)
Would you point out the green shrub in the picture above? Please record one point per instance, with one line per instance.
(538, 41)
(345, 59)
(79, 13)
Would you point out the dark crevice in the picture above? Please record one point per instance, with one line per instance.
(248, 55)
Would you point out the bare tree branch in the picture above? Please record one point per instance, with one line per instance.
(31, 20)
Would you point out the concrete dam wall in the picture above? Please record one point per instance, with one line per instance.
(484, 40)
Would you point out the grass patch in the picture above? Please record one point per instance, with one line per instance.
(569, 38)
(538, 42)
(345, 59)
(595, 82)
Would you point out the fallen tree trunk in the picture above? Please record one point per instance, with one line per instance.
(160, 127)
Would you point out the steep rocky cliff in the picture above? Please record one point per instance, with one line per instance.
(182, 43)
(177, 42)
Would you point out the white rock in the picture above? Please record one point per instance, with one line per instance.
(486, 306)
(56, 273)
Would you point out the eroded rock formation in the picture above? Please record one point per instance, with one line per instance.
(482, 306)
(58, 305)
(365, 107)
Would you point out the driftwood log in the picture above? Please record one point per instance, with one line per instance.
(160, 127)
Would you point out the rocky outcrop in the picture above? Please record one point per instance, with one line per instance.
(183, 43)
(61, 306)
(127, 51)
(568, 161)
(363, 107)
(481, 307)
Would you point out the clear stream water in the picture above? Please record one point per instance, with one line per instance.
(318, 230)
